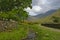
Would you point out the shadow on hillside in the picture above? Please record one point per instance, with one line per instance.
(57, 26)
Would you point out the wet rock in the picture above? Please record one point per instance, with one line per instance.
(31, 36)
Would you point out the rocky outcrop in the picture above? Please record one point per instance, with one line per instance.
(7, 25)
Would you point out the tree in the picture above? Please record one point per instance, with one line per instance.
(56, 19)
(14, 9)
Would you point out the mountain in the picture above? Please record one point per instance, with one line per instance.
(42, 15)
(45, 14)
(47, 17)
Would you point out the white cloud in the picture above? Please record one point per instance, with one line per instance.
(42, 6)
(36, 8)
(33, 11)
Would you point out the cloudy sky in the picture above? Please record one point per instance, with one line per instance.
(42, 6)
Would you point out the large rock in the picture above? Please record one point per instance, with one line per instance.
(7, 25)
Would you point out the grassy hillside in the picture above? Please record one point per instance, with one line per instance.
(45, 19)
(49, 18)
(42, 32)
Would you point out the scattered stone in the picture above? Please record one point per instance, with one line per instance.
(12, 20)
(31, 36)
(7, 25)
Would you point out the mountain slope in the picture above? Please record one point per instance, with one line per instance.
(49, 18)
(42, 15)
(45, 14)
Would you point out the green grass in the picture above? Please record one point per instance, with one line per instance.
(42, 33)
(48, 19)
(46, 34)
(21, 32)
(15, 34)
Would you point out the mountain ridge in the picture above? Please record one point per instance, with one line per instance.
(46, 18)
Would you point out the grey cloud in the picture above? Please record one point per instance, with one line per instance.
(45, 6)
(48, 5)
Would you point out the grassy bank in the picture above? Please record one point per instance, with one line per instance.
(22, 31)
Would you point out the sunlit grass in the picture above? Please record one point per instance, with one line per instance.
(15, 34)
(46, 34)
(21, 32)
